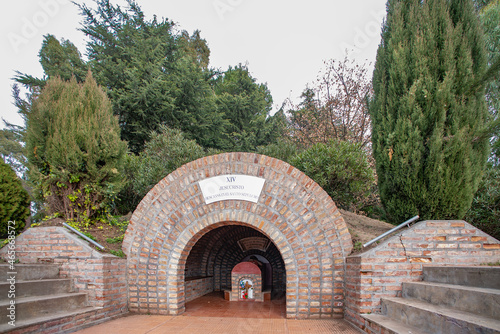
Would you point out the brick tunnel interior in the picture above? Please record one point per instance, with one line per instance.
(219, 250)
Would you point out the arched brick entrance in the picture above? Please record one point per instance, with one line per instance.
(297, 215)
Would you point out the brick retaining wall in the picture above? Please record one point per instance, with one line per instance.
(198, 287)
(380, 272)
(101, 276)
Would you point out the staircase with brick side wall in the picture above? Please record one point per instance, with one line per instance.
(451, 300)
(94, 288)
(33, 299)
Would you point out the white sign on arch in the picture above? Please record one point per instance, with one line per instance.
(232, 187)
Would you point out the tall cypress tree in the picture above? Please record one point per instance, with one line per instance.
(75, 155)
(428, 121)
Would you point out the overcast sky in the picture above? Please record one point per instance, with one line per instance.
(283, 42)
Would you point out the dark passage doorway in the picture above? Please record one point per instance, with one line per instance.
(211, 261)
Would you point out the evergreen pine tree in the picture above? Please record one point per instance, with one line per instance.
(246, 105)
(152, 75)
(428, 123)
(57, 59)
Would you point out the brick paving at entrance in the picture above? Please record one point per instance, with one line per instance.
(214, 305)
(212, 314)
(156, 324)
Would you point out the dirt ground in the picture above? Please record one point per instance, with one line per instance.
(363, 229)
(110, 237)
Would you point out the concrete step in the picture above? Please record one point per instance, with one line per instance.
(38, 324)
(28, 272)
(38, 306)
(35, 288)
(389, 325)
(481, 277)
(480, 301)
(437, 319)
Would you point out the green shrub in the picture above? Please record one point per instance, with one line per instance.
(118, 253)
(165, 152)
(485, 210)
(115, 240)
(283, 150)
(14, 201)
(341, 169)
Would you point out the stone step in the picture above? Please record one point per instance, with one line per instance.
(437, 319)
(35, 288)
(481, 277)
(76, 318)
(480, 301)
(38, 306)
(389, 325)
(28, 272)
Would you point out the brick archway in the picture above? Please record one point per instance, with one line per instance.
(292, 211)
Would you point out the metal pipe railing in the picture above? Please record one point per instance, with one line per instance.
(72, 229)
(411, 220)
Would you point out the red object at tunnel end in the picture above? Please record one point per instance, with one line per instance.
(246, 268)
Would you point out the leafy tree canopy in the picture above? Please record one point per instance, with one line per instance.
(335, 107)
